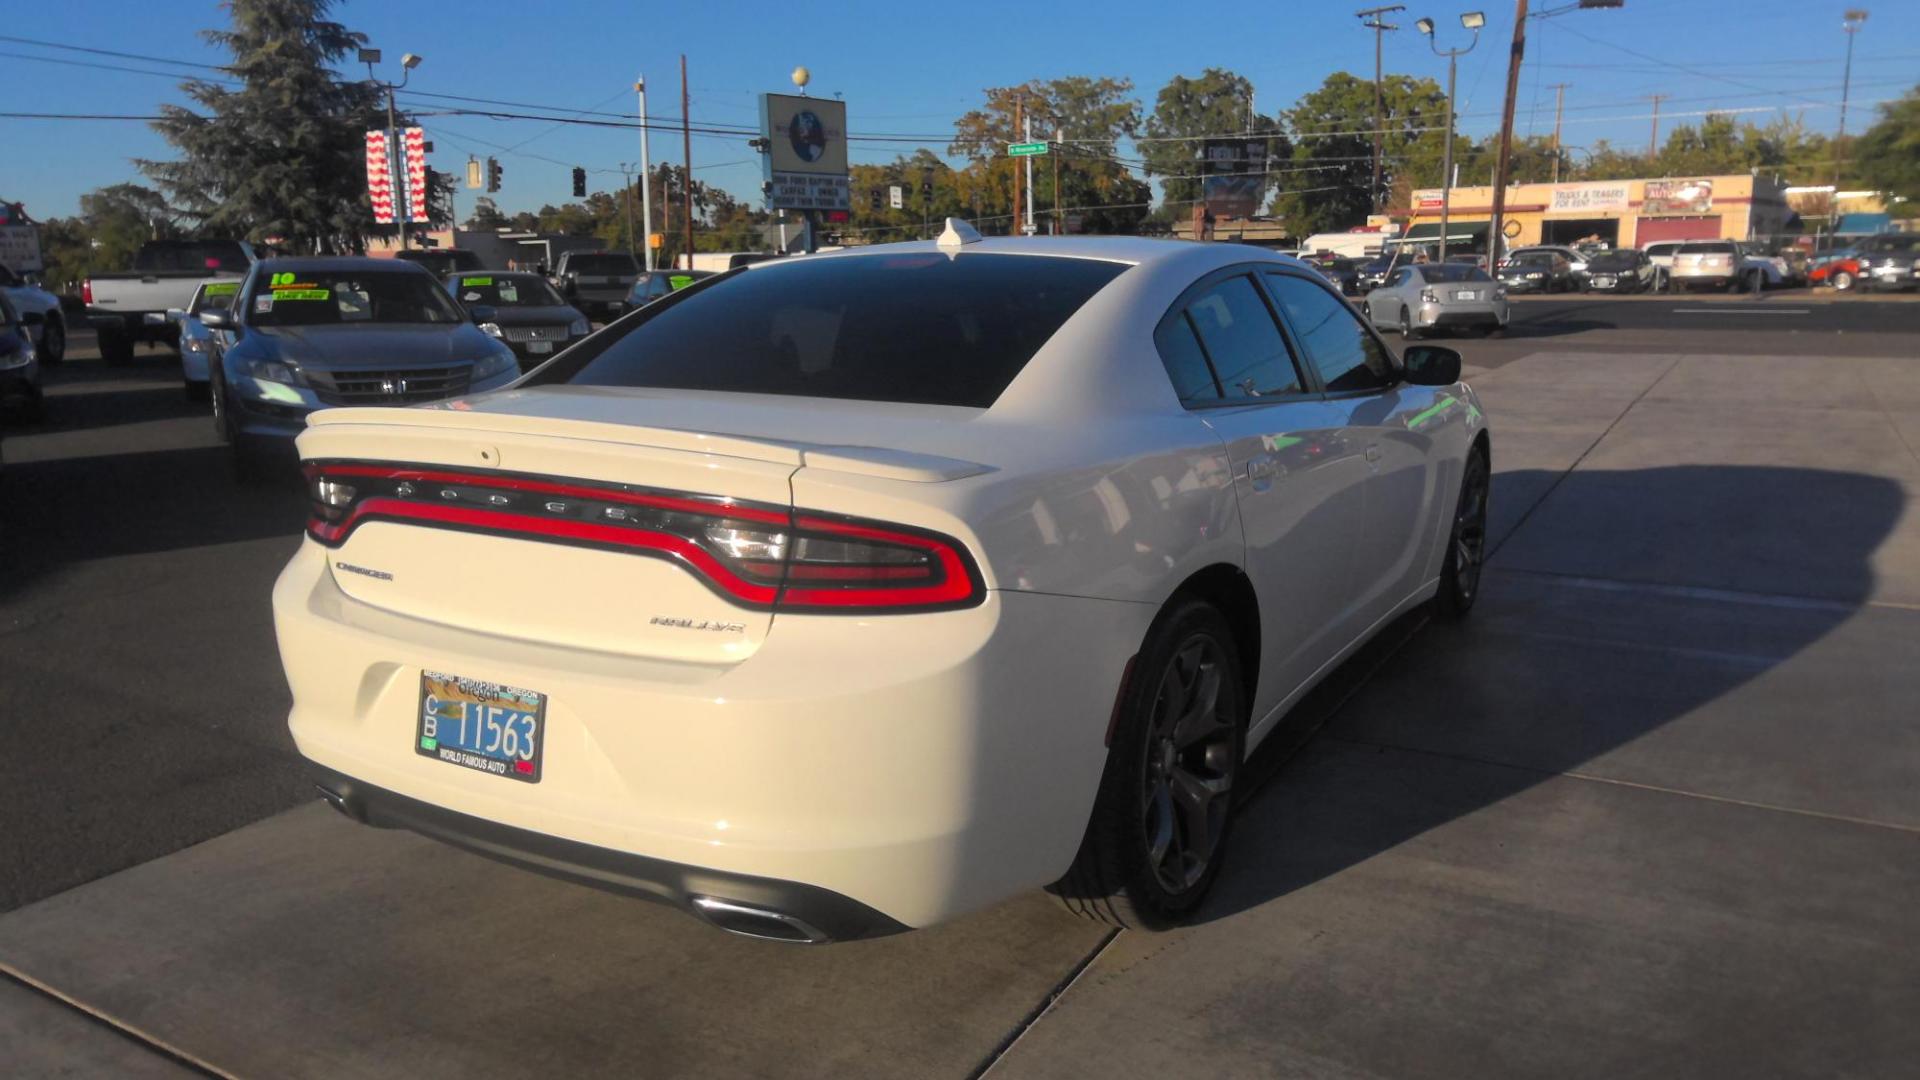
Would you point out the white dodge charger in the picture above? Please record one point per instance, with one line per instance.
(841, 595)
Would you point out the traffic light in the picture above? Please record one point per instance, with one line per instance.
(493, 175)
(579, 182)
(926, 185)
(876, 199)
(473, 173)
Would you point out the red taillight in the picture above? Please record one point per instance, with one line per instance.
(86, 292)
(756, 555)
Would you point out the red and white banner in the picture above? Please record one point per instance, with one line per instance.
(416, 144)
(379, 178)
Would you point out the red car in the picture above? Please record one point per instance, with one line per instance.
(1842, 272)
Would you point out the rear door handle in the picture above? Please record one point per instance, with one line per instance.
(1260, 471)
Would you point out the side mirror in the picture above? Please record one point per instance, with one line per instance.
(480, 313)
(216, 319)
(175, 314)
(32, 318)
(1431, 365)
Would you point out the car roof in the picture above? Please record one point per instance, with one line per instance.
(1133, 250)
(517, 274)
(337, 263)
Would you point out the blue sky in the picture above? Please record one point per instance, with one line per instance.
(907, 67)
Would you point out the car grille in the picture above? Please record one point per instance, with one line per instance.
(400, 387)
(535, 333)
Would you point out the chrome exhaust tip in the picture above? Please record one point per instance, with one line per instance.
(756, 922)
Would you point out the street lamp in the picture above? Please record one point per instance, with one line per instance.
(408, 61)
(1850, 22)
(1472, 20)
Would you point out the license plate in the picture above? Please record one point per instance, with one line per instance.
(1466, 294)
(488, 727)
(1603, 282)
(539, 346)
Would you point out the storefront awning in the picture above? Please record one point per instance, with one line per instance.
(1863, 224)
(1458, 232)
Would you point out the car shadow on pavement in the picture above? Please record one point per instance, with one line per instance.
(74, 509)
(1559, 667)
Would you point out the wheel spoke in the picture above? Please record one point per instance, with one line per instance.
(1202, 718)
(1159, 825)
(1195, 797)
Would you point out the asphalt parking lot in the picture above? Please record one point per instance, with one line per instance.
(1654, 810)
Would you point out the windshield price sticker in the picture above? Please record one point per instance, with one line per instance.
(301, 294)
(473, 282)
(223, 289)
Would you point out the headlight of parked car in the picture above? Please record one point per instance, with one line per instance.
(491, 330)
(192, 344)
(271, 371)
(493, 365)
(581, 327)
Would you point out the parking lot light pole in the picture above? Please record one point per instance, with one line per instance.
(646, 176)
(408, 61)
(1472, 20)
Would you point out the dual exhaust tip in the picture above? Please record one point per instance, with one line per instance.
(733, 917)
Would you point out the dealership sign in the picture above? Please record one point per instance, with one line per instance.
(806, 147)
(379, 178)
(1428, 200)
(1677, 197)
(1233, 176)
(1589, 198)
(415, 141)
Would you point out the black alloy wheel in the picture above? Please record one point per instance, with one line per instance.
(1406, 324)
(53, 341)
(217, 393)
(1164, 809)
(1466, 541)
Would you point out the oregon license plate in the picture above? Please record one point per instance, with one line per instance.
(485, 726)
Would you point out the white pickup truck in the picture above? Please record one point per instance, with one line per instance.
(131, 307)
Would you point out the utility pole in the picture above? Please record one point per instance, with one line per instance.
(1559, 100)
(1850, 22)
(686, 147)
(1653, 141)
(1058, 137)
(646, 176)
(1472, 21)
(627, 197)
(1371, 19)
(1019, 116)
(1496, 225)
(1026, 135)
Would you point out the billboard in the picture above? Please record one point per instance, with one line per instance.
(1677, 197)
(1233, 176)
(806, 152)
(1428, 199)
(1606, 197)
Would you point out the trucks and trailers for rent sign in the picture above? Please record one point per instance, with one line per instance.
(379, 178)
(1589, 198)
(806, 152)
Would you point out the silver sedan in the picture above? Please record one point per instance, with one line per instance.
(1424, 297)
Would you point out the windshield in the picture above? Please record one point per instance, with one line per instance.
(1532, 259)
(203, 255)
(1612, 260)
(1881, 245)
(335, 297)
(214, 296)
(922, 328)
(506, 290)
(602, 264)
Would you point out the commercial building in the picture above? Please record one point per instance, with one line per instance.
(1621, 213)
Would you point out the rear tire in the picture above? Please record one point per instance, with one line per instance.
(1160, 822)
(1842, 281)
(1466, 541)
(53, 341)
(1407, 331)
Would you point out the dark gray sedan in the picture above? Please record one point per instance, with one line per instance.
(528, 312)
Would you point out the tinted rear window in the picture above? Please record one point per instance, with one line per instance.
(1451, 271)
(921, 328)
(1705, 249)
(191, 255)
(601, 264)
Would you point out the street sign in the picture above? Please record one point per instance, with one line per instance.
(805, 142)
(1026, 149)
(897, 197)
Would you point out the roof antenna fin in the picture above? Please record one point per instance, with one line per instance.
(958, 234)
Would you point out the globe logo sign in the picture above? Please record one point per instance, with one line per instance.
(808, 136)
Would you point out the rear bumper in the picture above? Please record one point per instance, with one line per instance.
(795, 911)
(1448, 316)
(921, 766)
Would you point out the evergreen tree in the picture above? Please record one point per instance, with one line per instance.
(280, 156)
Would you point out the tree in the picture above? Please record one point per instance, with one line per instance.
(281, 155)
(1332, 159)
(486, 216)
(112, 224)
(1887, 157)
(1187, 112)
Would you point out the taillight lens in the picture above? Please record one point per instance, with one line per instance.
(86, 291)
(753, 554)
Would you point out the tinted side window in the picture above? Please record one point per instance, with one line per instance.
(1249, 355)
(1347, 357)
(1186, 365)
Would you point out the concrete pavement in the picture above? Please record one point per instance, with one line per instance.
(1651, 810)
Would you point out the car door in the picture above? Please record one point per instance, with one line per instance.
(1298, 479)
(1380, 413)
(1386, 301)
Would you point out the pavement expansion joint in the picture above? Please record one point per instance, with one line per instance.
(1698, 592)
(157, 1046)
(1040, 1011)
